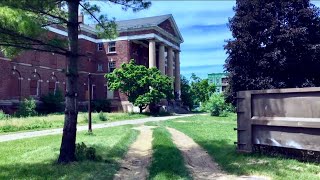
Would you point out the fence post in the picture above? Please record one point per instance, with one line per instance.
(244, 126)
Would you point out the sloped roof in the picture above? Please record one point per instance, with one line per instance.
(147, 22)
(142, 22)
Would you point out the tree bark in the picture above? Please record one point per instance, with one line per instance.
(67, 149)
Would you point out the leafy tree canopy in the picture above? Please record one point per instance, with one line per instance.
(186, 94)
(24, 25)
(275, 45)
(143, 86)
(201, 89)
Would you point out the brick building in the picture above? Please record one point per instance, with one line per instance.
(151, 41)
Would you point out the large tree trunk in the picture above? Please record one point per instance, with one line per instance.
(67, 150)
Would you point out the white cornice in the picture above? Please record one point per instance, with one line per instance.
(121, 38)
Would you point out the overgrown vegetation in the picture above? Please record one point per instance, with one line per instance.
(83, 152)
(35, 158)
(27, 108)
(102, 116)
(216, 135)
(51, 103)
(167, 162)
(217, 106)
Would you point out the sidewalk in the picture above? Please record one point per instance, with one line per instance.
(23, 135)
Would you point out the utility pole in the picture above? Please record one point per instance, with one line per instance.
(89, 103)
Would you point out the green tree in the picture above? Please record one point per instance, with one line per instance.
(142, 86)
(23, 26)
(201, 89)
(275, 45)
(186, 95)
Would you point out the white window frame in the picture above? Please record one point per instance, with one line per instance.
(100, 46)
(109, 67)
(100, 68)
(113, 46)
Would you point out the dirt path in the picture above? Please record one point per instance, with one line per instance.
(199, 162)
(136, 162)
(23, 135)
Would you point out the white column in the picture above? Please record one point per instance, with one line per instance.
(161, 59)
(170, 62)
(152, 53)
(177, 75)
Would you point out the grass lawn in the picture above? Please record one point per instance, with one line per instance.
(167, 162)
(35, 158)
(216, 135)
(57, 120)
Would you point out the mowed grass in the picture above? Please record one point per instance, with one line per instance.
(57, 120)
(35, 158)
(167, 161)
(216, 135)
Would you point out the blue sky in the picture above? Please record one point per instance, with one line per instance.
(203, 25)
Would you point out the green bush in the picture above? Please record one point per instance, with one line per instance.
(51, 103)
(86, 153)
(101, 105)
(217, 106)
(102, 116)
(3, 116)
(27, 108)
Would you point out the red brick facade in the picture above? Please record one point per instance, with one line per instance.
(33, 74)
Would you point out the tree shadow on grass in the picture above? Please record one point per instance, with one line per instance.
(236, 163)
(50, 170)
(104, 169)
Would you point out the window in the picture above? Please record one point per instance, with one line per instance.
(100, 68)
(111, 47)
(112, 66)
(100, 46)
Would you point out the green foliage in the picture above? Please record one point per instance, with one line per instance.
(200, 89)
(142, 85)
(101, 105)
(51, 103)
(217, 106)
(102, 116)
(27, 108)
(186, 94)
(86, 153)
(3, 116)
(275, 44)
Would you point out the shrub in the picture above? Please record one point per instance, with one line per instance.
(51, 103)
(3, 116)
(86, 153)
(217, 106)
(101, 105)
(27, 108)
(102, 116)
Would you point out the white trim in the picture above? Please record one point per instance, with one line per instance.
(6, 59)
(122, 38)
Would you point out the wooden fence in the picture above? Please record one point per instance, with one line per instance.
(288, 118)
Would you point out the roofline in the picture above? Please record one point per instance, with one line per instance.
(176, 29)
(92, 30)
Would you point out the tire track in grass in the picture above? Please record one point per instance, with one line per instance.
(136, 162)
(167, 162)
(199, 162)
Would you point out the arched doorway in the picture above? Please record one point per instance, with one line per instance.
(53, 84)
(15, 84)
(35, 84)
